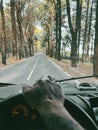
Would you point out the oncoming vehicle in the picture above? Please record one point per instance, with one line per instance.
(37, 37)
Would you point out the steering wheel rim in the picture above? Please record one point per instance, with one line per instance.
(84, 118)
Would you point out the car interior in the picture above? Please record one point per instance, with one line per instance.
(81, 101)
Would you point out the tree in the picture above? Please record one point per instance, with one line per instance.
(79, 11)
(52, 25)
(74, 30)
(85, 32)
(3, 34)
(19, 8)
(58, 29)
(47, 23)
(32, 15)
(89, 31)
(95, 64)
(13, 22)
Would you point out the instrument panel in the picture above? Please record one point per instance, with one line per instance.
(15, 113)
(22, 110)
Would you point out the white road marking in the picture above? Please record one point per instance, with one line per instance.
(60, 68)
(29, 76)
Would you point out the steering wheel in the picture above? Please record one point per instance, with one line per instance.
(80, 115)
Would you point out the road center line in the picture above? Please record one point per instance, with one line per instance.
(29, 76)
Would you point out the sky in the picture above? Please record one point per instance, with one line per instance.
(6, 1)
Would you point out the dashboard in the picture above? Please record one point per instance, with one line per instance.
(16, 114)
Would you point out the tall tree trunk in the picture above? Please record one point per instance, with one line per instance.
(85, 33)
(95, 64)
(59, 29)
(20, 34)
(3, 35)
(79, 24)
(56, 20)
(48, 40)
(74, 49)
(30, 47)
(74, 31)
(30, 43)
(89, 33)
(14, 41)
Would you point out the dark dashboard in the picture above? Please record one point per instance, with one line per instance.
(82, 104)
(15, 114)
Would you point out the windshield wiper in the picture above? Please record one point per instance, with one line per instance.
(73, 78)
(5, 84)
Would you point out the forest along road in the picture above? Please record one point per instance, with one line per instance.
(30, 70)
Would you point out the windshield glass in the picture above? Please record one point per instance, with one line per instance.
(42, 38)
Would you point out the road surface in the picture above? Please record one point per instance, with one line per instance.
(30, 70)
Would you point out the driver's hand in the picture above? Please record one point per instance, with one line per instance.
(48, 98)
(41, 91)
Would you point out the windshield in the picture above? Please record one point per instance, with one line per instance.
(42, 38)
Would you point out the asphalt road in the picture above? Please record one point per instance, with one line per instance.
(29, 70)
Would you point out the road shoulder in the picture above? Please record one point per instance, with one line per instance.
(83, 69)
